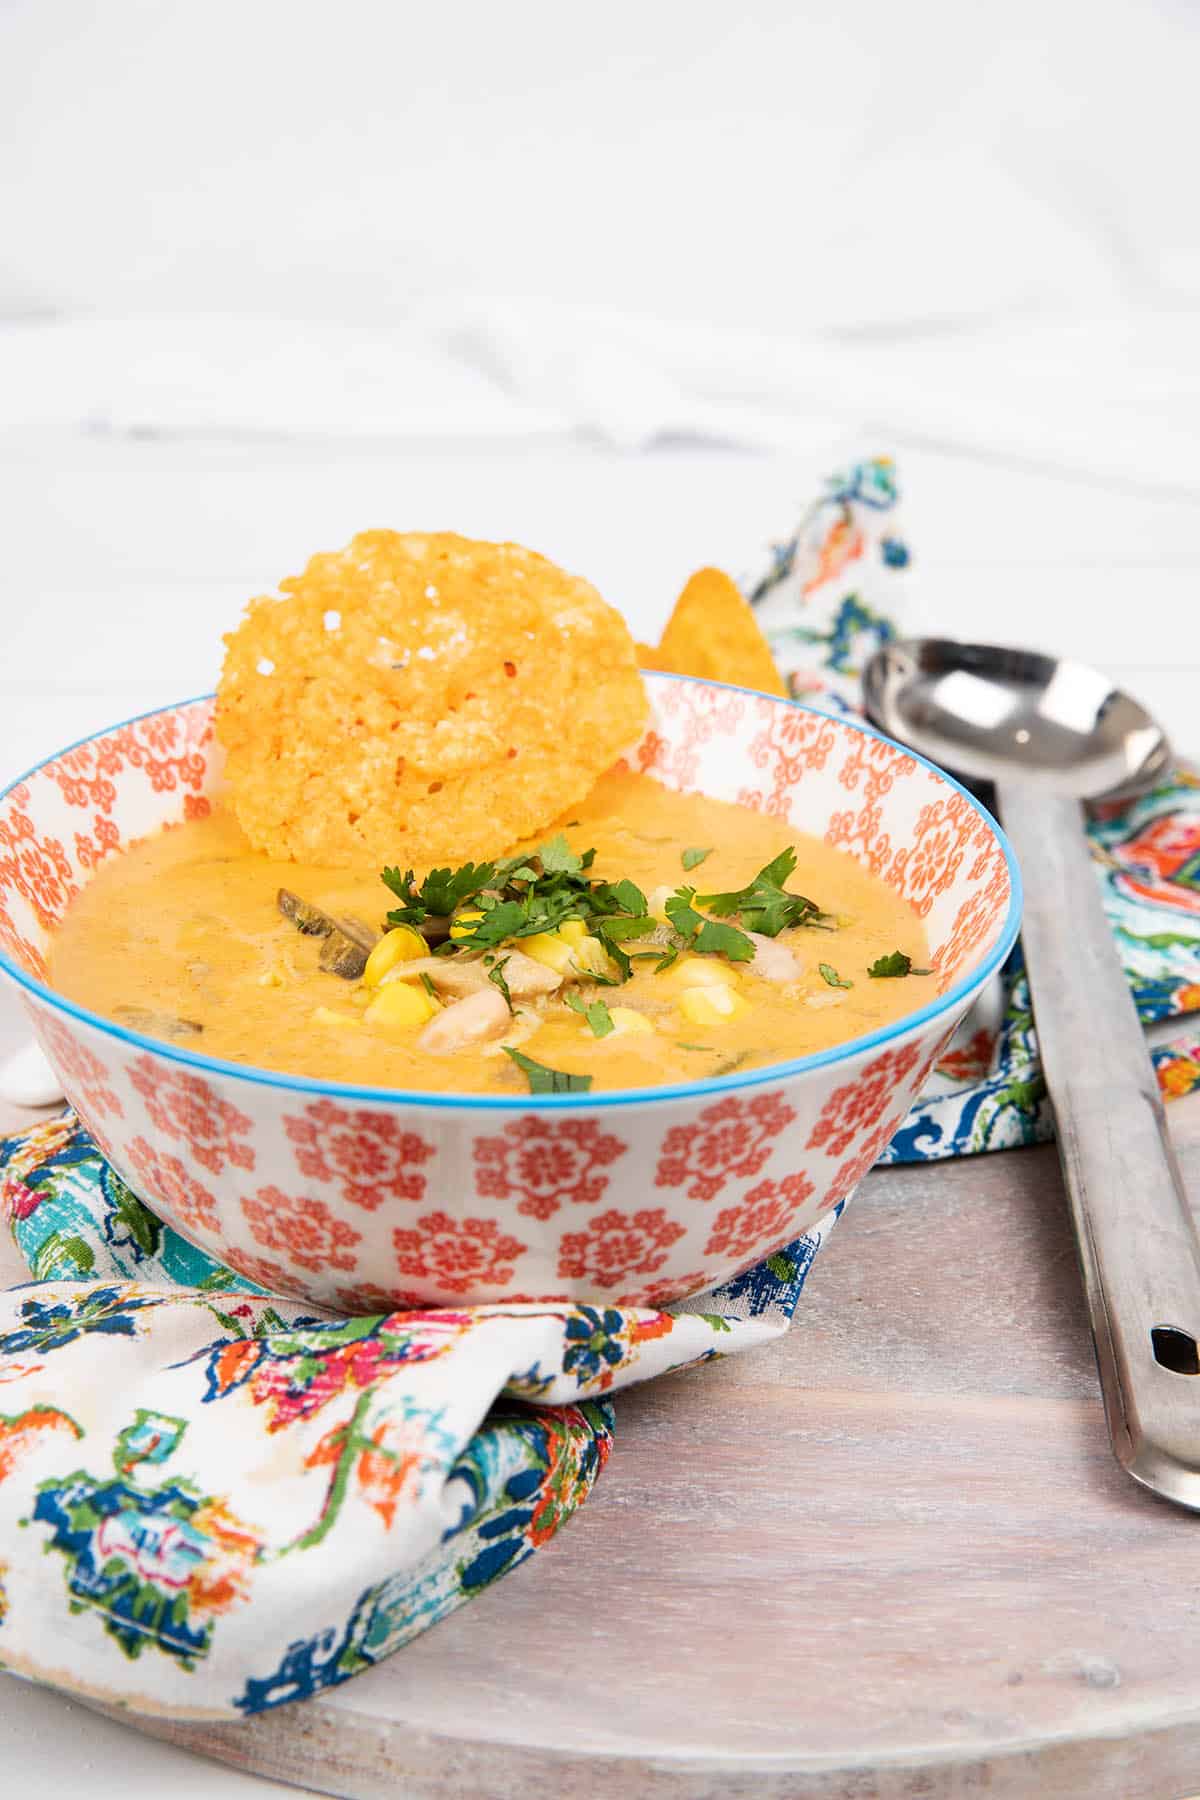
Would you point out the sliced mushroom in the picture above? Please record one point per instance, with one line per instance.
(471, 1021)
(304, 915)
(357, 930)
(773, 960)
(157, 1024)
(342, 955)
(348, 940)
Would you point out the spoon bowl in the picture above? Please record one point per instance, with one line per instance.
(990, 711)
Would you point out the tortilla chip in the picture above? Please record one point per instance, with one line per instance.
(417, 699)
(713, 633)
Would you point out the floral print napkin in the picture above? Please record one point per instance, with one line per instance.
(213, 1502)
(828, 596)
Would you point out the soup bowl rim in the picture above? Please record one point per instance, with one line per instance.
(711, 1087)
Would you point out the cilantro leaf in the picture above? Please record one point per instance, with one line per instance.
(623, 928)
(558, 858)
(763, 905)
(596, 1013)
(496, 977)
(691, 859)
(547, 1081)
(617, 897)
(615, 954)
(443, 889)
(505, 920)
(440, 892)
(830, 974)
(895, 963)
(599, 1018)
(703, 935)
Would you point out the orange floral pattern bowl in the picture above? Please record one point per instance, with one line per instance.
(364, 1198)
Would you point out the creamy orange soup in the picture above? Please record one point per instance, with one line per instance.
(181, 936)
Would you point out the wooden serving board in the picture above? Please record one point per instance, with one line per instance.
(888, 1557)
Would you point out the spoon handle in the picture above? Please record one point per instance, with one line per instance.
(1137, 1243)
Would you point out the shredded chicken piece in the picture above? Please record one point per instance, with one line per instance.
(448, 974)
(470, 1021)
(525, 976)
(773, 960)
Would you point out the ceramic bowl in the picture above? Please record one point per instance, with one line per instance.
(364, 1197)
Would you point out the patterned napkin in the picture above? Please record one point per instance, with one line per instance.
(213, 1501)
(826, 602)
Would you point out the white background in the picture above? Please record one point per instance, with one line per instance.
(616, 283)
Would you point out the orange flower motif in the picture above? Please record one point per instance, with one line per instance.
(24, 1431)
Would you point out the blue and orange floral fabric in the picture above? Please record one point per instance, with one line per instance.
(827, 596)
(217, 1501)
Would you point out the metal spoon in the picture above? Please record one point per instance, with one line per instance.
(1050, 734)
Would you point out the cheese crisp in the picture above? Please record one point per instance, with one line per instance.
(419, 698)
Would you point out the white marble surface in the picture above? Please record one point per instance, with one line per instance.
(124, 560)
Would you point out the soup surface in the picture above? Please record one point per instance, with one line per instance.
(181, 937)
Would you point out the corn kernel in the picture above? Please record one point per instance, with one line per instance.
(464, 923)
(711, 1005)
(401, 944)
(628, 1022)
(399, 1007)
(325, 1015)
(572, 931)
(589, 957)
(549, 948)
(703, 972)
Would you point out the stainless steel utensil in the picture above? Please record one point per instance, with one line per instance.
(1050, 734)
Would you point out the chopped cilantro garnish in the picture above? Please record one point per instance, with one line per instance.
(895, 963)
(496, 977)
(617, 897)
(764, 905)
(558, 858)
(618, 926)
(440, 892)
(548, 1081)
(680, 1045)
(691, 859)
(599, 1018)
(503, 919)
(596, 1013)
(517, 898)
(703, 935)
(830, 974)
(616, 955)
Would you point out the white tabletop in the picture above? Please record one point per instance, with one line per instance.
(124, 560)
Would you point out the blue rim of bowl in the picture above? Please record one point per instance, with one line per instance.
(626, 1097)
